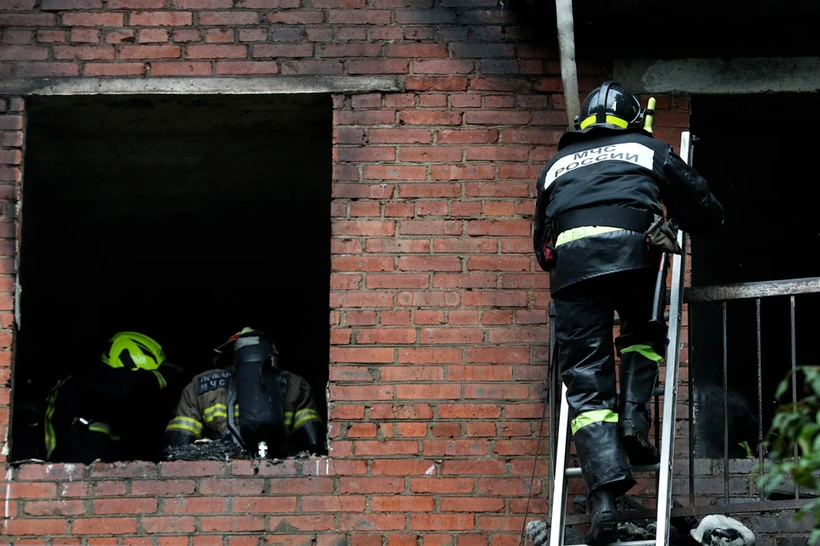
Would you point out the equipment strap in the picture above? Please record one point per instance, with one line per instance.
(619, 217)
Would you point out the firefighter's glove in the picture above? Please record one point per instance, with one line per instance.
(663, 235)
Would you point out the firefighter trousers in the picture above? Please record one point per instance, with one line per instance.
(585, 352)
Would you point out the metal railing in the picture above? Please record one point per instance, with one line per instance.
(721, 295)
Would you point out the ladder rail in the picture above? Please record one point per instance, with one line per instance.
(559, 494)
(673, 348)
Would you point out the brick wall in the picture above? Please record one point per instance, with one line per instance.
(438, 311)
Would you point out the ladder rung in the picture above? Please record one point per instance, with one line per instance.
(628, 543)
(576, 472)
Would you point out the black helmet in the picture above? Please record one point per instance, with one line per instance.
(610, 106)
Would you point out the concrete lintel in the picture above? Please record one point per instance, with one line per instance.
(739, 75)
(200, 85)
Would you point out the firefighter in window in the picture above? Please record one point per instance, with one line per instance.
(111, 411)
(269, 412)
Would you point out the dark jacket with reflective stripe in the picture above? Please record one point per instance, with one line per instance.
(617, 168)
(202, 411)
(111, 414)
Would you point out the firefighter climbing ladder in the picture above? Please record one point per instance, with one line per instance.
(561, 472)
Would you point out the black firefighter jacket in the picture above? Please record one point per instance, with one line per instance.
(110, 414)
(601, 167)
(202, 411)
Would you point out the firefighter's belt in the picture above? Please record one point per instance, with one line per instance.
(615, 217)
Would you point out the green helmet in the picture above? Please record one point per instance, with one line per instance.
(133, 350)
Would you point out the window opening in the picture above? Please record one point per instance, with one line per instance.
(185, 218)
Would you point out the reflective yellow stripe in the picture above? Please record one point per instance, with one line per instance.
(217, 410)
(594, 416)
(305, 415)
(100, 427)
(645, 351)
(580, 232)
(288, 418)
(51, 437)
(618, 122)
(160, 378)
(185, 424)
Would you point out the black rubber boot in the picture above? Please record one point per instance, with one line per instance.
(633, 432)
(604, 526)
(638, 378)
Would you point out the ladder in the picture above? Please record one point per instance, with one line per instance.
(558, 491)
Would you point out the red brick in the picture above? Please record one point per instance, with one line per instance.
(278, 524)
(428, 317)
(429, 227)
(430, 117)
(195, 505)
(430, 263)
(150, 52)
(462, 172)
(125, 506)
(91, 19)
(114, 69)
(155, 35)
(350, 50)
(163, 487)
(136, 4)
(364, 117)
(333, 504)
(103, 526)
(386, 336)
(429, 154)
(161, 18)
(497, 391)
(23, 53)
(371, 228)
(40, 527)
(54, 508)
(401, 411)
(400, 136)
(229, 524)
(462, 247)
(415, 50)
(18, 37)
(170, 524)
(412, 374)
(362, 263)
(54, 5)
(439, 189)
(425, 83)
(360, 392)
(253, 505)
(27, 490)
(364, 355)
(85, 53)
(397, 246)
(210, 51)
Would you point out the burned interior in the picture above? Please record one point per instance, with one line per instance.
(183, 217)
(756, 164)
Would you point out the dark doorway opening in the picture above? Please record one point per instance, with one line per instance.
(757, 165)
(186, 218)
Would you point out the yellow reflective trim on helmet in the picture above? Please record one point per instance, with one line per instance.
(160, 378)
(594, 416)
(581, 232)
(645, 351)
(612, 120)
(305, 415)
(100, 427)
(185, 424)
